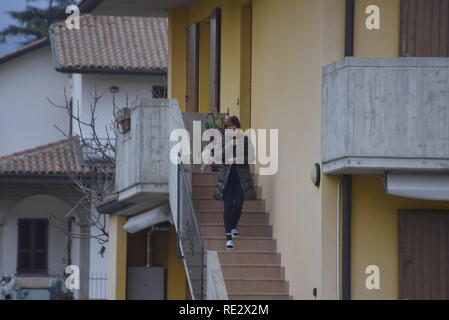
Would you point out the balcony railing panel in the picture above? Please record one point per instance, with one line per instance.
(381, 114)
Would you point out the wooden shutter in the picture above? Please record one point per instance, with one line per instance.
(192, 68)
(424, 255)
(32, 246)
(215, 58)
(424, 28)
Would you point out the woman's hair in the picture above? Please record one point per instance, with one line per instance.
(233, 121)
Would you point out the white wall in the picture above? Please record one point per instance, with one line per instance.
(84, 87)
(27, 117)
(98, 265)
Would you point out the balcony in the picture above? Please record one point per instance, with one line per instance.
(385, 114)
(142, 149)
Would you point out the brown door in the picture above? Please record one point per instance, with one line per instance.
(424, 255)
(424, 28)
(192, 68)
(215, 48)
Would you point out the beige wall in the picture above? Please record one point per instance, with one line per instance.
(292, 40)
(334, 47)
(377, 43)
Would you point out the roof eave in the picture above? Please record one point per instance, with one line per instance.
(111, 71)
(18, 53)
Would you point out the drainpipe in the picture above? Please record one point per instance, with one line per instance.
(346, 263)
(148, 258)
(69, 242)
(349, 28)
(347, 179)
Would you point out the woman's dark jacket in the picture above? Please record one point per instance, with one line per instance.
(244, 174)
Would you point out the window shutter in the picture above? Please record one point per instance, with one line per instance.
(32, 250)
(192, 68)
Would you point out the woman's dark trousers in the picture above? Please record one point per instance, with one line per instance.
(233, 197)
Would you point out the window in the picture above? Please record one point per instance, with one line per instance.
(160, 92)
(33, 246)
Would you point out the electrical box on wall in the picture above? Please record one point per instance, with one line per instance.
(145, 283)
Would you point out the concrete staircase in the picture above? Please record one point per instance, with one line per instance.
(253, 269)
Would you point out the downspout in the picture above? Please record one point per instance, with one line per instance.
(346, 252)
(349, 28)
(347, 179)
(338, 240)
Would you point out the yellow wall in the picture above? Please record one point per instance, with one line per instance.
(117, 258)
(230, 53)
(375, 235)
(374, 225)
(177, 72)
(176, 276)
(292, 40)
(204, 68)
(245, 67)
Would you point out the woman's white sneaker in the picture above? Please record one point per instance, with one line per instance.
(235, 233)
(229, 245)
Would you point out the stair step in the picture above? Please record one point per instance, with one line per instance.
(248, 257)
(241, 243)
(208, 178)
(207, 192)
(250, 271)
(207, 204)
(250, 230)
(258, 296)
(265, 285)
(248, 217)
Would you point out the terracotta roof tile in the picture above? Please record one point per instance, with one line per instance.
(112, 44)
(54, 158)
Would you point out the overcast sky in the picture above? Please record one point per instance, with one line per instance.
(6, 20)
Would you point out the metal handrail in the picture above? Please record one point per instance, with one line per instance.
(190, 242)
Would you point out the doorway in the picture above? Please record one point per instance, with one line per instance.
(424, 255)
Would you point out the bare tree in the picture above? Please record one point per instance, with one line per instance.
(97, 151)
(97, 155)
